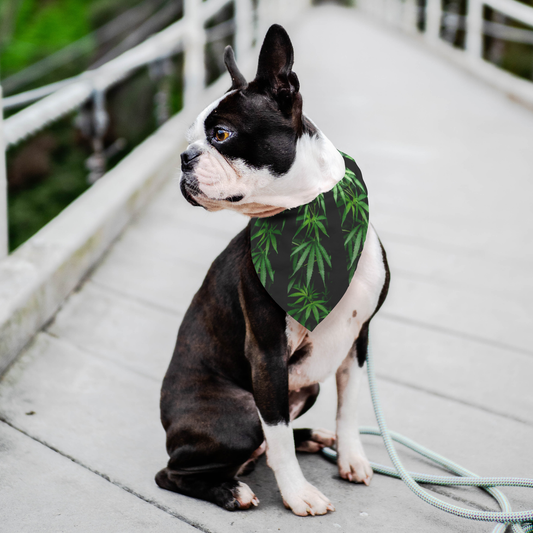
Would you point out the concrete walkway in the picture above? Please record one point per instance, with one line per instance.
(449, 166)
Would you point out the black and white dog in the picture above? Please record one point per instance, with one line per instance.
(242, 368)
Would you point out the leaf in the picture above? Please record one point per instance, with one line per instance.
(291, 283)
(310, 264)
(298, 231)
(346, 211)
(269, 268)
(325, 254)
(259, 233)
(350, 235)
(315, 313)
(320, 263)
(321, 226)
(300, 247)
(302, 259)
(356, 249)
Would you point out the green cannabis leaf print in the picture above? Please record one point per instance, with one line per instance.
(351, 197)
(306, 256)
(266, 232)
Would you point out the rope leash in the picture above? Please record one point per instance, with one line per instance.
(521, 521)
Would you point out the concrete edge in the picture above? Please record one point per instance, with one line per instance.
(37, 277)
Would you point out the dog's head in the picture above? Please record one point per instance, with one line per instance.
(253, 150)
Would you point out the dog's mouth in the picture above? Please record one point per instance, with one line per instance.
(191, 191)
(234, 199)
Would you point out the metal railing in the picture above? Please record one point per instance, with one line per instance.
(188, 35)
(407, 15)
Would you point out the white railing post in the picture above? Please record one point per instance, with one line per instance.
(474, 29)
(243, 28)
(409, 16)
(194, 67)
(3, 187)
(433, 20)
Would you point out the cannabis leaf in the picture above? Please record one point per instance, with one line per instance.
(311, 250)
(308, 301)
(266, 232)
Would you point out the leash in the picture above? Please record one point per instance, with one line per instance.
(521, 522)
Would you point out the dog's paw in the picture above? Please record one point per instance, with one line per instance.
(355, 467)
(319, 438)
(308, 500)
(242, 497)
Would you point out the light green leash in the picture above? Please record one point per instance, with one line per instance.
(522, 522)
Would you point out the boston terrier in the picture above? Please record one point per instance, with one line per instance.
(243, 368)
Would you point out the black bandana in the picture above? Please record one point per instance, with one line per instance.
(306, 257)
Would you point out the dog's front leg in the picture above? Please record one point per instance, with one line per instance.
(351, 459)
(271, 396)
(266, 350)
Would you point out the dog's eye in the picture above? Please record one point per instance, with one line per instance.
(221, 135)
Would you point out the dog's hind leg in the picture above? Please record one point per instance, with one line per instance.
(222, 489)
(211, 432)
(308, 440)
(313, 440)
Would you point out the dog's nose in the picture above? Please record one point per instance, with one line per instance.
(188, 157)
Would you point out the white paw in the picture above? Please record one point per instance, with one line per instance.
(307, 500)
(245, 496)
(355, 467)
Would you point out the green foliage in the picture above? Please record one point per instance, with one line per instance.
(350, 196)
(267, 234)
(31, 208)
(35, 29)
(313, 238)
(312, 222)
(308, 301)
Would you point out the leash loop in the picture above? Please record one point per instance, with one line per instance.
(521, 522)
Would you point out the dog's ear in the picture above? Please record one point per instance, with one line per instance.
(237, 79)
(274, 71)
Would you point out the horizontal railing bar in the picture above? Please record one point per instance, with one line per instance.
(21, 99)
(208, 9)
(49, 109)
(72, 51)
(59, 103)
(511, 8)
(490, 29)
(26, 97)
(220, 31)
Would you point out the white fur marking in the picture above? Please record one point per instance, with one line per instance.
(332, 339)
(352, 462)
(297, 493)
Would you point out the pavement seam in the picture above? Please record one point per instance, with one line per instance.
(102, 357)
(455, 333)
(125, 488)
(450, 398)
(137, 299)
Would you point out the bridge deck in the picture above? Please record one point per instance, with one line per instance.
(448, 164)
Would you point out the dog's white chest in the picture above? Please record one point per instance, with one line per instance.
(317, 354)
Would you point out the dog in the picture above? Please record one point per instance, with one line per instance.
(243, 368)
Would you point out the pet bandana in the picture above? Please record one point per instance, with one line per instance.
(306, 256)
